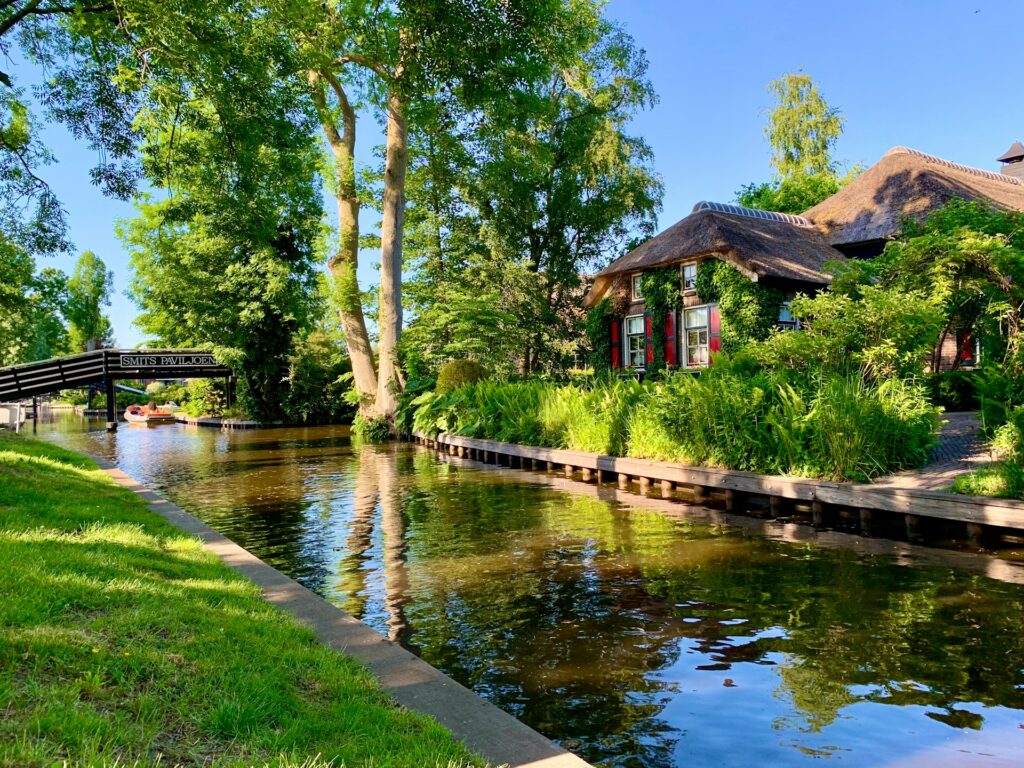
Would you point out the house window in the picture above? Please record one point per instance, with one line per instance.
(689, 277)
(638, 291)
(786, 321)
(635, 343)
(696, 336)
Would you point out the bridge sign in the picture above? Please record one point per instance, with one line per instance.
(167, 361)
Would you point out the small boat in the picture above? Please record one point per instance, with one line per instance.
(144, 414)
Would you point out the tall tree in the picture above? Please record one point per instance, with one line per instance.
(802, 131)
(553, 187)
(88, 291)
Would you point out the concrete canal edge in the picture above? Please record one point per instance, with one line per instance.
(414, 684)
(980, 516)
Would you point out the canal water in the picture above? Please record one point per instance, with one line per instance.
(630, 636)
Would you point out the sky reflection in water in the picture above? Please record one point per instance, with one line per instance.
(633, 638)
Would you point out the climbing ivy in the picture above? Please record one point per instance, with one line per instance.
(598, 329)
(748, 310)
(661, 295)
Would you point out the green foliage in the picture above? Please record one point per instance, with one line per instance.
(661, 295)
(318, 380)
(737, 415)
(372, 430)
(88, 291)
(599, 340)
(459, 373)
(954, 390)
(204, 397)
(793, 194)
(748, 310)
(885, 332)
(802, 128)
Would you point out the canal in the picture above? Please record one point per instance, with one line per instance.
(630, 636)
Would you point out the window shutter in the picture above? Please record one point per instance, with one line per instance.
(714, 330)
(670, 338)
(616, 342)
(648, 346)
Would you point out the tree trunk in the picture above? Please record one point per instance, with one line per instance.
(396, 162)
(345, 262)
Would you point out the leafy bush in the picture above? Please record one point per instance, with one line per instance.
(590, 418)
(459, 373)
(954, 390)
(318, 381)
(155, 388)
(205, 397)
(376, 430)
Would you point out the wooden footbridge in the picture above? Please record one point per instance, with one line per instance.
(103, 367)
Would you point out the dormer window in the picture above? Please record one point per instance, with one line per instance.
(638, 291)
(689, 277)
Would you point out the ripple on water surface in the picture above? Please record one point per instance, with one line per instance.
(632, 637)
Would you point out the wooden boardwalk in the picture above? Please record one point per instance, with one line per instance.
(873, 507)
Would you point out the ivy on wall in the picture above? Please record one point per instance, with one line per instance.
(598, 329)
(661, 289)
(748, 310)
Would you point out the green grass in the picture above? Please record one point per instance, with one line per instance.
(1003, 480)
(123, 643)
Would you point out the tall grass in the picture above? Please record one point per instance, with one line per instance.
(735, 416)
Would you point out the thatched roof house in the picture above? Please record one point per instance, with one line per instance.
(905, 183)
(760, 244)
(785, 251)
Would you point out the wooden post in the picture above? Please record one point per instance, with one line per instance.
(111, 406)
(667, 488)
(867, 521)
(976, 535)
(645, 485)
(731, 500)
(776, 507)
(585, 473)
(599, 476)
(568, 471)
(817, 514)
(551, 466)
(913, 524)
(698, 494)
(623, 481)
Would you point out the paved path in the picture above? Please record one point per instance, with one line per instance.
(960, 450)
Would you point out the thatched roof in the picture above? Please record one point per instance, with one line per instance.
(758, 243)
(906, 183)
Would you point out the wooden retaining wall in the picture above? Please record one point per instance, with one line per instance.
(869, 506)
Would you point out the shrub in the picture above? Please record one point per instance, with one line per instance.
(155, 388)
(460, 373)
(205, 397)
(590, 418)
(375, 430)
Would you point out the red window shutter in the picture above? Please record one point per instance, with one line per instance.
(714, 330)
(966, 348)
(648, 346)
(616, 343)
(670, 338)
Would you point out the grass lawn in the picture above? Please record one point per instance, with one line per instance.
(1002, 479)
(123, 643)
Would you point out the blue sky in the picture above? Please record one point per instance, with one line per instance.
(941, 76)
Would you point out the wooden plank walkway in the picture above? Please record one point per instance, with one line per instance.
(867, 501)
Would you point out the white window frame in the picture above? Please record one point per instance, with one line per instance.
(706, 328)
(636, 290)
(682, 277)
(626, 336)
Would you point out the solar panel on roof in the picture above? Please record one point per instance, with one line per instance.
(753, 213)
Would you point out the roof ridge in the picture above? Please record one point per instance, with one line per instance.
(753, 213)
(955, 166)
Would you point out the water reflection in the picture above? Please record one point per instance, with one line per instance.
(634, 637)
